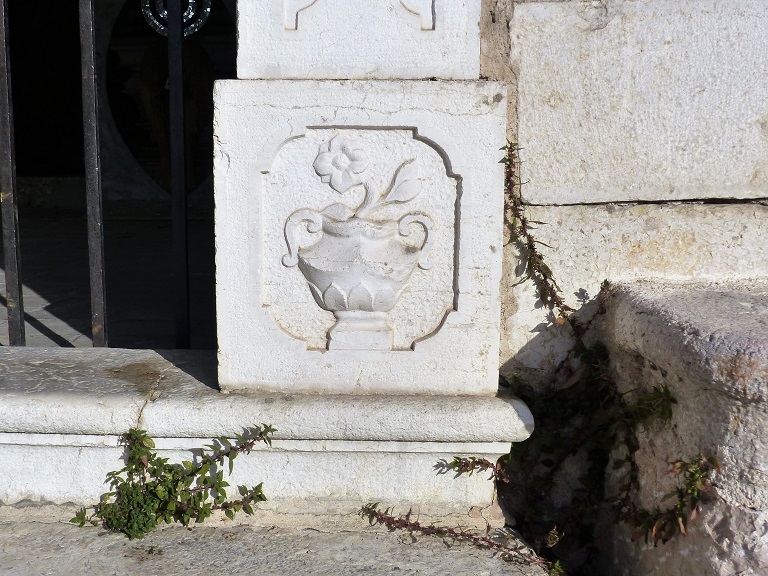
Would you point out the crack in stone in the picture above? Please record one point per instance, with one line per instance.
(672, 202)
(152, 395)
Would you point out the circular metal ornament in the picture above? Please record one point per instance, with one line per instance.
(195, 16)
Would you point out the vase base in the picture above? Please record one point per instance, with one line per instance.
(356, 330)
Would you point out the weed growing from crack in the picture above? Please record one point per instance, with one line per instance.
(695, 489)
(586, 416)
(535, 268)
(505, 549)
(149, 490)
(470, 465)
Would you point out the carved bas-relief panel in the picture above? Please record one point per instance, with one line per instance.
(351, 39)
(423, 8)
(369, 233)
(358, 235)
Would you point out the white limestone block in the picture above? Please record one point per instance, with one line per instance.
(62, 413)
(327, 39)
(642, 99)
(326, 477)
(358, 235)
(708, 343)
(584, 245)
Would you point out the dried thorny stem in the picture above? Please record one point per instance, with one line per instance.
(470, 465)
(376, 516)
(520, 228)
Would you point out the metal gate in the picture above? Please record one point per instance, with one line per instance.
(171, 18)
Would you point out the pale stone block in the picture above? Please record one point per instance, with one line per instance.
(329, 39)
(708, 343)
(326, 477)
(62, 412)
(101, 392)
(642, 99)
(61, 390)
(588, 244)
(193, 411)
(341, 215)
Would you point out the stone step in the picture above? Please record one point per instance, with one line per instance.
(708, 343)
(62, 412)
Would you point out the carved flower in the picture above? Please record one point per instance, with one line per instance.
(339, 164)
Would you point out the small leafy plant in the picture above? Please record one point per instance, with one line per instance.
(695, 489)
(584, 419)
(655, 404)
(149, 490)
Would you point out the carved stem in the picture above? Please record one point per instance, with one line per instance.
(368, 202)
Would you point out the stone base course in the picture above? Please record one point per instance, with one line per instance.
(62, 411)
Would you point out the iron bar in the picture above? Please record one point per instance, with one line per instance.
(8, 200)
(178, 185)
(93, 175)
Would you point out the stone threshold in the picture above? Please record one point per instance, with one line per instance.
(62, 412)
(707, 342)
(713, 331)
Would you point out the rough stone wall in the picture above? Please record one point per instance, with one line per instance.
(645, 154)
(708, 343)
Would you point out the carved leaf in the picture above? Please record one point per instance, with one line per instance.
(360, 298)
(406, 185)
(385, 300)
(338, 212)
(334, 298)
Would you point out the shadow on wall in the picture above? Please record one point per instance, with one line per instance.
(548, 359)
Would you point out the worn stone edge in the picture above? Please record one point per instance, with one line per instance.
(187, 408)
(651, 323)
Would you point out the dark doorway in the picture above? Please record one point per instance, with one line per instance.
(45, 64)
(46, 82)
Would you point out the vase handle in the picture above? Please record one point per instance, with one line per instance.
(313, 221)
(426, 222)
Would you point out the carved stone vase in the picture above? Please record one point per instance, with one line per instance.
(357, 269)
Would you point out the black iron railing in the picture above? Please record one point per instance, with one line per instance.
(93, 175)
(174, 19)
(8, 201)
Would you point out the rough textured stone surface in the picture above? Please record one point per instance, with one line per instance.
(337, 39)
(55, 548)
(495, 64)
(62, 411)
(642, 99)
(708, 342)
(282, 200)
(588, 244)
(301, 478)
